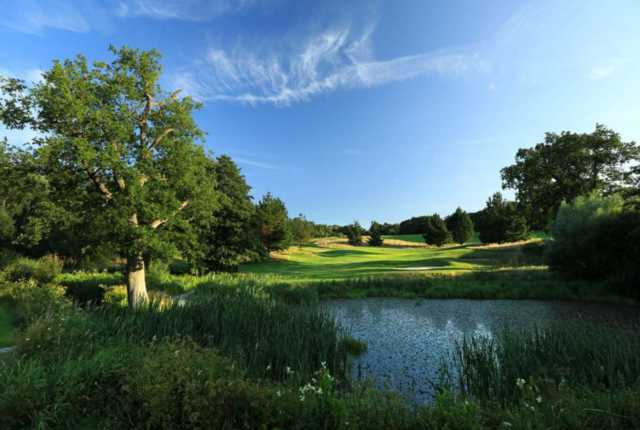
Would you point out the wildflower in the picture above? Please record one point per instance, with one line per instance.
(539, 399)
(288, 370)
(278, 393)
(268, 367)
(520, 382)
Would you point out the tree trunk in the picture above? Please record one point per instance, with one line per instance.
(136, 282)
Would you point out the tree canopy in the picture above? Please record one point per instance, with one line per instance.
(460, 225)
(272, 222)
(436, 232)
(568, 165)
(124, 147)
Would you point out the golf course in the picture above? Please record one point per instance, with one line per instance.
(334, 258)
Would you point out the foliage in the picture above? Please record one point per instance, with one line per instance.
(354, 233)
(121, 149)
(220, 239)
(594, 238)
(460, 225)
(375, 232)
(568, 165)
(273, 228)
(301, 230)
(500, 221)
(30, 300)
(41, 271)
(436, 232)
(415, 225)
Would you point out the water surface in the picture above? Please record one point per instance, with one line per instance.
(408, 339)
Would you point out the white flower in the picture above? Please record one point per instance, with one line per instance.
(520, 382)
(288, 370)
(507, 424)
(539, 399)
(278, 393)
(268, 367)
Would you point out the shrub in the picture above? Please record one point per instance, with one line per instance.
(42, 271)
(594, 239)
(460, 225)
(116, 296)
(436, 232)
(375, 232)
(30, 300)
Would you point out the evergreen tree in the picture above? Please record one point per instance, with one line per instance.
(436, 232)
(222, 238)
(501, 222)
(460, 225)
(271, 220)
(302, 230)
(375, 232)
(354, 233)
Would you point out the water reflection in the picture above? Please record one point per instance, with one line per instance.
(409, 339)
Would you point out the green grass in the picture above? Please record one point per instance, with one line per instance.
(416, 238)
(7, 328)
(336, 260)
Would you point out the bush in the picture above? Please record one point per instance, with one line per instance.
(42, 271)
(436, 232)
(31, 300)
(594, 239)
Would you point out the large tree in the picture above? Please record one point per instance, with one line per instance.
(568, 165)
(130, 145)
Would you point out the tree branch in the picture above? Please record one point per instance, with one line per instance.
(157, 223)
(144, 120)
(159, 139)
(102, 187)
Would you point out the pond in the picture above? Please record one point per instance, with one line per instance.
(408, 339)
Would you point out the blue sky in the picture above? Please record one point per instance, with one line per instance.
(363, 109)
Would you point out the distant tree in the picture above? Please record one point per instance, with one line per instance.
(272, 222)
(500, 221)
(302, 230)
(436, 232)
(354, 233)
(126, 146)
(390, 229)
(415, 225)
(568, 165)
(375, 233)
(460, 225)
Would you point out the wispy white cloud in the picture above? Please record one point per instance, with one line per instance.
(601, 72)
(254, 163)
(328, 61)
(190, 10)
(33, 17)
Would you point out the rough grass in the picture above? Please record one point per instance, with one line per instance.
(7, 329)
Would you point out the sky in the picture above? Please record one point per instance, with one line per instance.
(362, 110)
